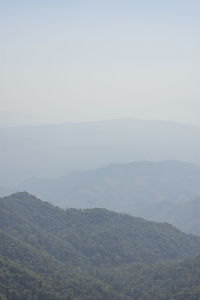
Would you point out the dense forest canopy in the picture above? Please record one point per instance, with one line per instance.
(51, 253)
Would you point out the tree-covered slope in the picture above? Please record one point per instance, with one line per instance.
(19, 283)
(31, 273)
(94, 236)
(93, 254)
(166, 281)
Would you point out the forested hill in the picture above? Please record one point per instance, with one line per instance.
(167, 281)
(50, 253)
(98, 235)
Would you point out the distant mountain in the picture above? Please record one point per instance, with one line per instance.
(93, 254)
(184, 215)
(54, 150)
(163, 191)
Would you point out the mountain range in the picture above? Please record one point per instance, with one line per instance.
(166, 191)
(57, 149)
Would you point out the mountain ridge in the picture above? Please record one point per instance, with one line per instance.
(142, 189)
(55, 150)
(116, 256)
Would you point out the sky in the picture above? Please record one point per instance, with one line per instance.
(73, 61)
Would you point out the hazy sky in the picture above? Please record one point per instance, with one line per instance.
(92, 60)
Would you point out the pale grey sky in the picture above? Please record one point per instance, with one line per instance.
(92, 60)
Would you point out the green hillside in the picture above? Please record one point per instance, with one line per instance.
(94, 236)
(18, 283)
(166, 281)
(88, 254)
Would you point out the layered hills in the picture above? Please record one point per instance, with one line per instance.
(167, 191)
(57, 149)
